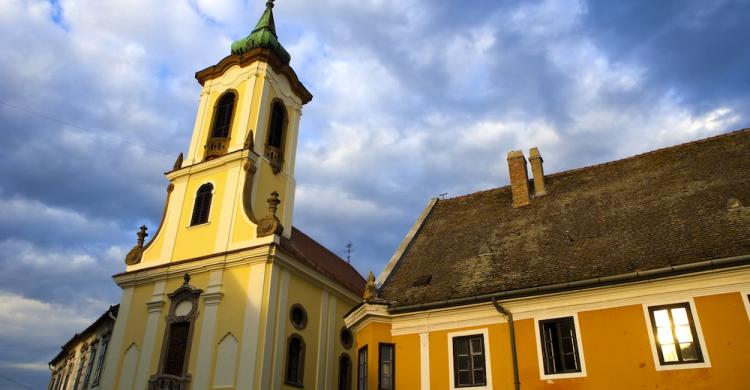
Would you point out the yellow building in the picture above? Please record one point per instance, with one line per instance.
(633, 274)
(228, 294)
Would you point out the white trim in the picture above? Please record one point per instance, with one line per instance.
(206, 344)
(424, 360)
(321, 361)
(266, 362)
(679, 288)
(107, 377)
(251, 327)
(154, 307)
(652, 342)
(280, 335)
(487, 359)
(331, 341)
(540, 354)
(745, 295)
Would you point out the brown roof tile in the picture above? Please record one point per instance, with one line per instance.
(324, 261)
(658, 209)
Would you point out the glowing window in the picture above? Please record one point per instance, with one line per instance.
(674, 334)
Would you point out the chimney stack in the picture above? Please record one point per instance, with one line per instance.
(537, 171)
(519, 178)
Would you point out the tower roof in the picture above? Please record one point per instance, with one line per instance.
(263, 36)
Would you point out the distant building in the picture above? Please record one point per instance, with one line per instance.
(80, 363)
(629, 274)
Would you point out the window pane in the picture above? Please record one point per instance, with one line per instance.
(479, 377)
(478, 361)
(669, 352)
(679, 315)
(664, 334)
(688, 351)
(476, 345)
(463, 347)
(463, 378)
(684, 333)
(661, 318)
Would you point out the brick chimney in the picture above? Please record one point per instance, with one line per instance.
(519, 178)
(538, 171)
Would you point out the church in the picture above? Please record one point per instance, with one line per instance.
(628, 274)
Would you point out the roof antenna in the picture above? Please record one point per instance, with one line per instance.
(349, 251)
(442, 196)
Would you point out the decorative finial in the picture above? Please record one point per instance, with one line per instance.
(178, 162)
(273, 203)
(371, 292)
(135, 254)
(269, 4)
(142, 235)
(186, 280)
(270, 224)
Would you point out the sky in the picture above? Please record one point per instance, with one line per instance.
(412, 99)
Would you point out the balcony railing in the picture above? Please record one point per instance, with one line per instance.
(275, 157)
(168, 382)
(216, 146)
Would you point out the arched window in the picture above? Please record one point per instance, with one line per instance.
(223, 116)
(276, 127)
(295, 361)
(202, 204)
(345, 372)
(274, 147)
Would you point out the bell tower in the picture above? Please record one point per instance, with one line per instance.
(235, 186)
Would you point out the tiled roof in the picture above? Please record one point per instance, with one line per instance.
(324, 261)
(663, 208)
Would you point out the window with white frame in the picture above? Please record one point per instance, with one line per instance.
(469, 368)
(675, 335)
(559, 346)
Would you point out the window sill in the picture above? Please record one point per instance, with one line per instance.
(682, 366)
(198, 225)
(294, 384)
(563, 375)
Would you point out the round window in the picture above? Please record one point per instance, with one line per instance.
(347, 339)
(298, 316)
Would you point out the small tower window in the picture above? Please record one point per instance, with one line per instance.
(274, 146)
(202, 204)
(295, 361)
(223, 116)
(218, 142)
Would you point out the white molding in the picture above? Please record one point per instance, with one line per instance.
(266, 357)
(112, 361)
(540, 353)
(678, 288)
(367, 313)
(706, 363)
(154, 307)
(424, 360)
(320, 369)
(251, 327)
(208, 329)
(487, 358)
(331, 341)
(745, 295)
(277, 370)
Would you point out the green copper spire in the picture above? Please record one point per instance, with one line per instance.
(263, 36)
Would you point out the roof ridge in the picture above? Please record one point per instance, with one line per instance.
(612, 162)
(326, 249)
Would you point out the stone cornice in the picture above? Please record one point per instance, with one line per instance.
(250, 57)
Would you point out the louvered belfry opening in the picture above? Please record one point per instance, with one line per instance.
(202, 204)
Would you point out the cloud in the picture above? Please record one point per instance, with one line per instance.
(412, 99)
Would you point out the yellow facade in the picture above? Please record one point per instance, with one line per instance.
(238, 280)
(617, 351)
